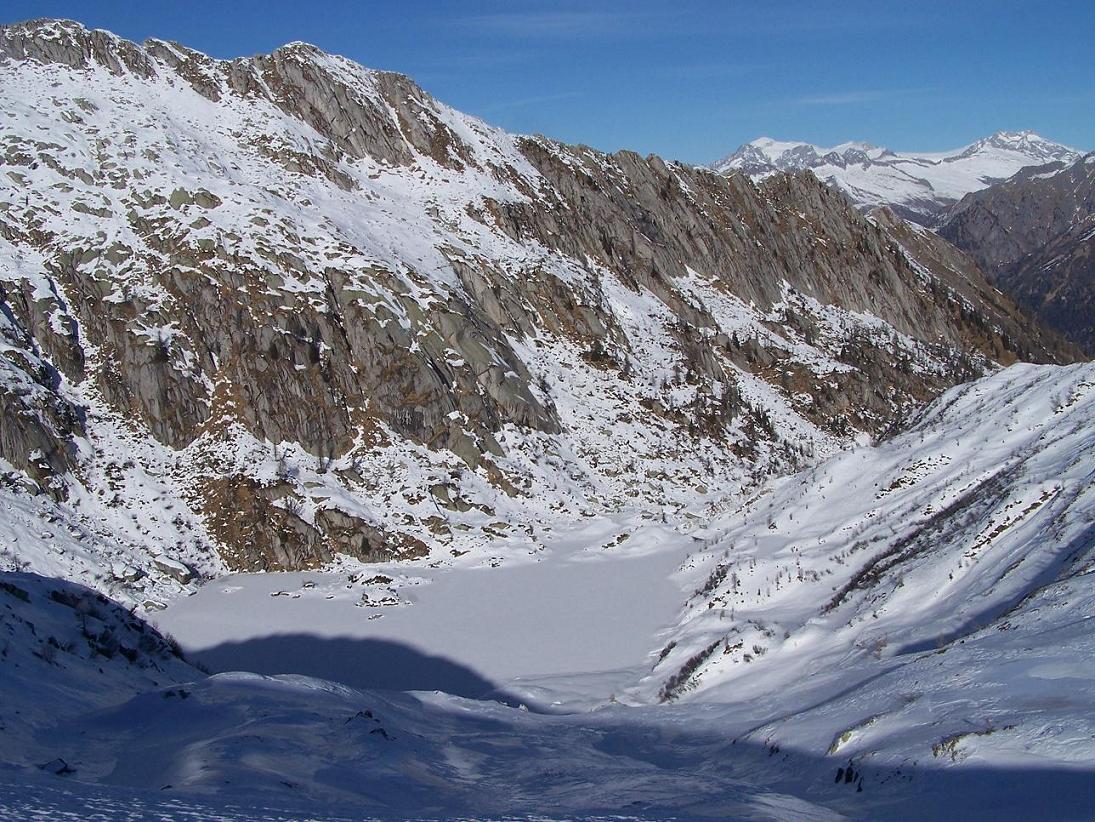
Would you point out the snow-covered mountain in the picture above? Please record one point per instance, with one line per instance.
(323, 315)
(917, 186)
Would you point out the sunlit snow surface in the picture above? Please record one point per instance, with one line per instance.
(957, 679)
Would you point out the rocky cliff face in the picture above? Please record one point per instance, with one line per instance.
(1035, 235)
(266, 312)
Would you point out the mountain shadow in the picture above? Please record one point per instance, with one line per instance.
(370, 664)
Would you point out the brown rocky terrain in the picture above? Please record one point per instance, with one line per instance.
(1034, 235)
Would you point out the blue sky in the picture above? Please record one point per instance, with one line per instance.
(687, 80)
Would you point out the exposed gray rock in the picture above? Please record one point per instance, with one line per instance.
(69, 43)
(174, 569)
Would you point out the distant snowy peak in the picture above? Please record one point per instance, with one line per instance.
(765, 156)
(918, 186)
(1025, 143)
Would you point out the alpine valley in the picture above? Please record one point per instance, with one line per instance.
(362, 460)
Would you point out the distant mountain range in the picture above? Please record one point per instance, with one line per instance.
(1020, 205)
(917, 186)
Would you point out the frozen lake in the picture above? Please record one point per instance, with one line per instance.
(566, 630)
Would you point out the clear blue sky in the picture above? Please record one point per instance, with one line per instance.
(687, 80)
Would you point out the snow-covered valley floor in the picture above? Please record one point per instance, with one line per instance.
(561, 633)
(902, 631)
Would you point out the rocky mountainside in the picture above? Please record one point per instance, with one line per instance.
(268, 312)
(917, 186)
(1035, 236)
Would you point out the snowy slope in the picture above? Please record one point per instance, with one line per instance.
(941, 656)
(66, 650)
(918, 186)
(922, 597)
(100, 717)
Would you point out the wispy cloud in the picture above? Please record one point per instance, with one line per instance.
(707, 71)
(568, 24)
(850, 98)
(843, 98)
(843, 17)
(524, 102)
(731, 21)
(471, 60)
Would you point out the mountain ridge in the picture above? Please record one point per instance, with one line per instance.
(1034, 235)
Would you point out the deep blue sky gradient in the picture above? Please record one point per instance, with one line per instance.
(689, 80)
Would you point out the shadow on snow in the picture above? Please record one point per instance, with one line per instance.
(367, 664)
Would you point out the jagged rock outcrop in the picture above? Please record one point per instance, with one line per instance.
(303, 294)
(257, 535)
(37, 425)
(1035, 236)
